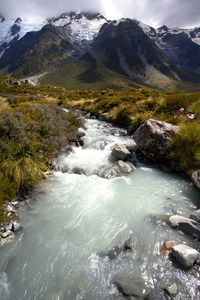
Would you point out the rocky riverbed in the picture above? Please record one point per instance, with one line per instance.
(104, 225)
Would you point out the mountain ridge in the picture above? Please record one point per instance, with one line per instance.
(127, 47)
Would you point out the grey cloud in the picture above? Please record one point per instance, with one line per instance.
(181, 13)
(45, 8)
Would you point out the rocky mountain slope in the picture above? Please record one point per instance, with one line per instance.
(126, 47)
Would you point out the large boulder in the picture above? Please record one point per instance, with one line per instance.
(185, 255)
(153, 139)
(121, 152)
(196, 178)
(186, 225)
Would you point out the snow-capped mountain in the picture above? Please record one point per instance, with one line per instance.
(82, 26)
(124, 46)
(159, 33)
(181, 46)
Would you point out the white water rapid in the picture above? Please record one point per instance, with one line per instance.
(72, 218)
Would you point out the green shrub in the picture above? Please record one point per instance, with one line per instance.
(186, 148)
(122, 117)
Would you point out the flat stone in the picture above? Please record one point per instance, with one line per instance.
(121, 152)
(186, 225)
(131, 286)
(185, 255)
(6, 234)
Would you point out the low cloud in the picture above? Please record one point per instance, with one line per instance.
(181, 13)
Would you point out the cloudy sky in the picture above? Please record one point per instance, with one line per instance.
(182, 13)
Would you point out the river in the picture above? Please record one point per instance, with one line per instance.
(72, 218)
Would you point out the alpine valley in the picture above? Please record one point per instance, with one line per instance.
(85, 50)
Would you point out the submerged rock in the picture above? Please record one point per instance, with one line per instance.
(124, 246)
(186, 225)
(121, 152)
(153, 139)
(196, 178)
(185, 255)
(119, 168)
(131, 286)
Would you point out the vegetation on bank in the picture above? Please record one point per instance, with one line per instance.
(34, 127)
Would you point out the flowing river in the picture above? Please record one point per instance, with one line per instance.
(73, 218)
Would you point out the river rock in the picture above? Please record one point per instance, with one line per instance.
(124, 246)
(16, 226)
(185, 255)
(131, 286)
(119, 168)
(153, 139)
(167, 246)
(196, 178)
(6, 234)
(171, 290)
(186, 225)
(195, 215)
(121, 152)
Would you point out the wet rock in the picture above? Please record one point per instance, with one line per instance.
(159, 218)
(6, 234)
(119, 168)
(186, 225)
(153, 139)
(195, 215)
(167, 246)
(131, 286)
(16, 226)
(196, 178)
(171, 290)
(185, 255)
(121, 152)
(10, 208)
(115, 252)
(78, 171)
(8, 227)
(125, 246)
(118, 132)
(133, 158)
